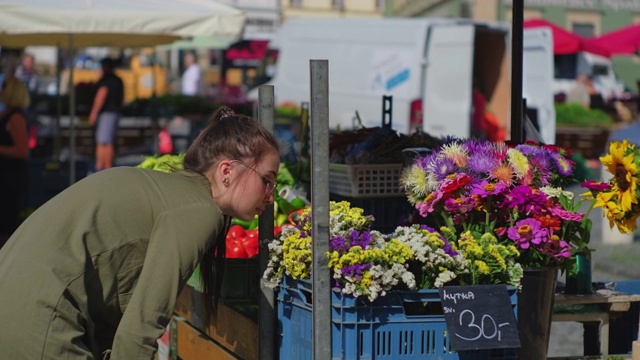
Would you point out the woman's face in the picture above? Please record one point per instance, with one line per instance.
(252, 186)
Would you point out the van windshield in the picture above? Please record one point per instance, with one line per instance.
(266, 70)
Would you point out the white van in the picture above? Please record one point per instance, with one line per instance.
(568, 67)
(427, 65)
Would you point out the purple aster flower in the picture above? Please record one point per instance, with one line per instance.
(527, 150)
(526, 232)
(482, 162)
(425, 161)
(563, 166)
(443, 167)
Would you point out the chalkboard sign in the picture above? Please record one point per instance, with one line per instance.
(479, 317)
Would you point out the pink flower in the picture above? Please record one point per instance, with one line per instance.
(527, 232)
(566, 214)
(595, 185)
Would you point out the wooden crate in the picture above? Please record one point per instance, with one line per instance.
(588, 142)
(192, 344)
(233, 331)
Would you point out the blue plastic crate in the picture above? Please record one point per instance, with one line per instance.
(388, 328)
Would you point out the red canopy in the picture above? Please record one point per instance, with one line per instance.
(622, 41)
(566, 42)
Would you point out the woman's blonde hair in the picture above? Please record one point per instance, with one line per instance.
(14, 93)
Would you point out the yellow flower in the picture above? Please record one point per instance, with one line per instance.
(519, 162)
(482, 266)
(414, 181)
(456, 153)
(621, 165)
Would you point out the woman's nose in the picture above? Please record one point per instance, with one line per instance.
(269, 200)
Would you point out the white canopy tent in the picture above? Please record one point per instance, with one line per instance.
(73, 24)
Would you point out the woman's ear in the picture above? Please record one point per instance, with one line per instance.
(218, 172)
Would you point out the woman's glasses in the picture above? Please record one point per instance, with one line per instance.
(269, 184)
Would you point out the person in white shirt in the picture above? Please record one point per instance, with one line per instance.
(191, 76)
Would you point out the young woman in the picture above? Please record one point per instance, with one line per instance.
(14, 150)
(95, 272)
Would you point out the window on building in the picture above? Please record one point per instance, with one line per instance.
(583, 29)
(381, 5)
(295, 3)
(337, 4)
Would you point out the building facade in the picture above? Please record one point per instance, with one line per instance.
(332, 8)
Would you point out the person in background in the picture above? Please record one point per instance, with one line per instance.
(478, 109)
(106, 112)
(95, 272)
(579, 92)
(27, 73)
(14, 151)
(191, 76)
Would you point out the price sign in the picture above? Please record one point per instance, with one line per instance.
(479, 317)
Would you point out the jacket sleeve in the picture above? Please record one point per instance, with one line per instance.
(177, 242)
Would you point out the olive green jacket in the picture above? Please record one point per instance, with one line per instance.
(99, 267)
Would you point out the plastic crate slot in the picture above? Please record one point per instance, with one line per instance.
(446, 346)
(383, 341)
(406, 342)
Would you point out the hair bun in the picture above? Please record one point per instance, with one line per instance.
(225, 112)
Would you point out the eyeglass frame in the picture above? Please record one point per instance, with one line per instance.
(268, 183)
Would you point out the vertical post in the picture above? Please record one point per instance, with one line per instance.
(266, 315)
(516, 72)
(72, 114)
(320, 208)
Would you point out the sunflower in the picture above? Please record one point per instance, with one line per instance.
(620, 163)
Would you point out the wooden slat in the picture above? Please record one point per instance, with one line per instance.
(193, 345)
(234, 331)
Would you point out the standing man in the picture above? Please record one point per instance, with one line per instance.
(191, 76)
(27, 73)
(106, 112)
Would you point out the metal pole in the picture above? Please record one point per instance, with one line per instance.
(320, 208)
(516, 72)
(72, 114)
(267, 312)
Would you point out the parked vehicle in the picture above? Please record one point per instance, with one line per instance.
(568, 67)
(427, 65)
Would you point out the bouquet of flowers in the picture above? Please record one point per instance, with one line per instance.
(363, 261)
(479, 189)
(619, 196)
(437, 261)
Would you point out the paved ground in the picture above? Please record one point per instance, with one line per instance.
(611, 262)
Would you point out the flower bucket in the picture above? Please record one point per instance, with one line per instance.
(580, 283)
(535, 308)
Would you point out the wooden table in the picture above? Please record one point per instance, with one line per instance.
(606, 304)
